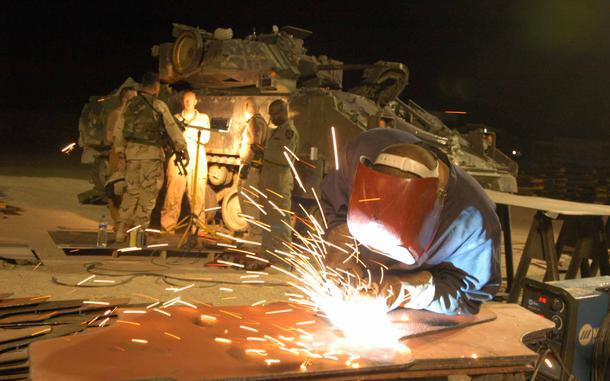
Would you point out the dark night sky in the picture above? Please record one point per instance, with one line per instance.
(535, 68)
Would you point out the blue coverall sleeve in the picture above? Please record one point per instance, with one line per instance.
(470, 273)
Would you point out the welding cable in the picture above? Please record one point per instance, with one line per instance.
(601, 352)
(539, 363)
(548, 349)
(92, 268)
(105, 285)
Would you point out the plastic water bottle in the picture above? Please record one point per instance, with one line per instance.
(102, 233)
(141, 238)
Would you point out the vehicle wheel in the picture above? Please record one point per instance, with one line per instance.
(231, 209)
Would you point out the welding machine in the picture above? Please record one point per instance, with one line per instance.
(578, 308)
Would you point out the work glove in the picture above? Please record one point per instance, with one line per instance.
(407, 290)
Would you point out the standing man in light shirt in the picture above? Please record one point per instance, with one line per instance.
(178, 183)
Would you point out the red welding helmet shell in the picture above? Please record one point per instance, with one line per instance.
(394, 216)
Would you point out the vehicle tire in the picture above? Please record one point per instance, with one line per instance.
(231, 209)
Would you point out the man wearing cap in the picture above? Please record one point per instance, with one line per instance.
(423, 219)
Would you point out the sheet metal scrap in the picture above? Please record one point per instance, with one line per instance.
(279, 341)
(14, 357)
(56, 331)
(20, 302)
(105, 304)
(40, 307)
(7, 335)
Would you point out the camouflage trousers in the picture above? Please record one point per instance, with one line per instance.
(276, 181)
(247, 208)
(177, 184)
(144, 180)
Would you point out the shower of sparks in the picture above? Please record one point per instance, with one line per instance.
(239, 240)
(319, 207)
(230, 263)
(369, 199)
(172, 336)
(162, 312)
(153, 231)
(69, 148)
(257, 190)
(157, 245)
(127, 322)
(85, 280)
(211, 209)
(294, 172)
(96, 303)
(274, 193)
(126, 249)
(134, 228)
(256, 204)
(332, 130)
(277, 208)
(278, 311)
(344, 298)
(292, 153)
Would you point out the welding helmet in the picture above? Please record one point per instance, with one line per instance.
(392, 215)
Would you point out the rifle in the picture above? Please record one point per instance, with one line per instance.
(180, 159)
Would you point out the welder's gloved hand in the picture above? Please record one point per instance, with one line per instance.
(408, 290)
(336, 257)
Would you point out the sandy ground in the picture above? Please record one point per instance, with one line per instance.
(46, 189)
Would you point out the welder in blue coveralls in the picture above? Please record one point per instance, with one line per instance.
(424, 218)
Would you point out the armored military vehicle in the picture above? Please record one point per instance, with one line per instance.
(225, 71)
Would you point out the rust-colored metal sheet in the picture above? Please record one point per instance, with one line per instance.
(40, 307)
(7, 335)
(20, 367)
(185, 346)
(20, 302)
(14, 377)
(14, 356)
(4, 295)
(212, 343)
(56, 331)
(419, 322)
(39, 317)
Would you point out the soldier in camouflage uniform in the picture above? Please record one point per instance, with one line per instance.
(138, 142)
(251, 155)
(277, 179)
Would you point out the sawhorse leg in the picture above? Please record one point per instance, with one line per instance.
(540, 244)
(591, 244)
(503, 212)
